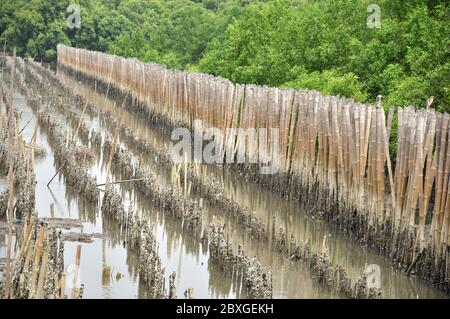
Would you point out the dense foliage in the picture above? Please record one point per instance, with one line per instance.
(323, 44)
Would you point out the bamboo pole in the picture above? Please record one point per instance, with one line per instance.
(37, 260)
(75, 289)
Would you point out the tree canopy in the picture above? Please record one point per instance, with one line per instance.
(324, 45)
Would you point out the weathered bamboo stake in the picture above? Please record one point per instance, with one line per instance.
(429, 178)
(75, 289)
(10, 227)
(386, 133)
(37, 259)
(4, 54)
(113, 147)
(42, 274)
(30, 162)
(79, 124)
(63, 286)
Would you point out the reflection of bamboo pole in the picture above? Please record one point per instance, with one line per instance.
(42, 274)
(63, 286)
(77, 271)
(106, 270)
(74, 136)
(113, 147)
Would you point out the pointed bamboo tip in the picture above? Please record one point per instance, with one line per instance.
(379, 97)
(430, 101)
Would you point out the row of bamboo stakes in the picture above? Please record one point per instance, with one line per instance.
(330, 144)
(35, 261)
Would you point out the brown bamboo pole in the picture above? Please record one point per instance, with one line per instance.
(42, 274)
(77, 271)
(37, 260)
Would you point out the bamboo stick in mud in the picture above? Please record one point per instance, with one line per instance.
(10, 180)
(74, 136)
(37, 260)
(30, 167)
(385, 133)
(75, 289)
(63, 286)
(42, 274)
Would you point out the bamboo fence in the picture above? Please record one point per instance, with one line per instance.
(330, 146)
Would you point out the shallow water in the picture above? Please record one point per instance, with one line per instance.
(178, 251)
